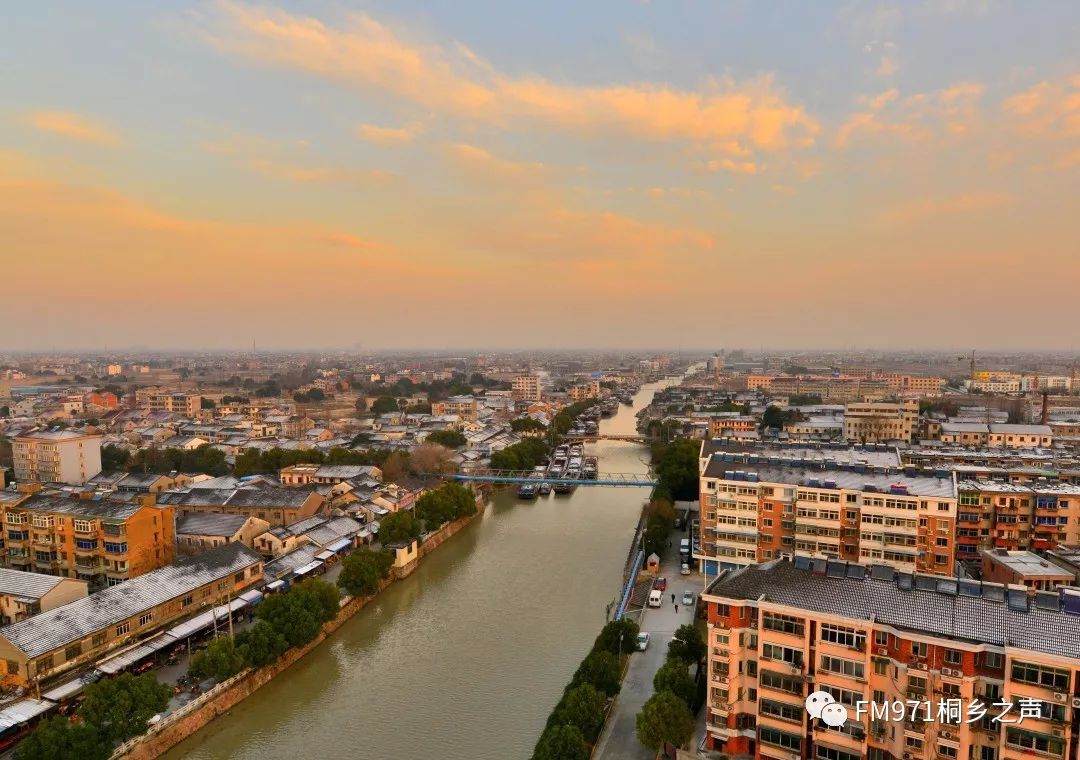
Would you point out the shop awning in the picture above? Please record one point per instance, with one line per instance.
(23, 711)
(275, 585)
(310, 566)
(134, 655)
(252, 597)
(340, 545)
(71, 688)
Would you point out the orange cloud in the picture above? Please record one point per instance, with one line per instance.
(952, 110)
(935, 208)
(484, 164)
(386, 135)
(1047, 109)
(72, 126)
(367, 54)
(335, 175)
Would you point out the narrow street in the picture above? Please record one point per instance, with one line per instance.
(619, 739)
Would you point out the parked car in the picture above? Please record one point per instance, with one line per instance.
(643, 641)
(685, 569)
(660, 584)
(656, 598)
(688, 598)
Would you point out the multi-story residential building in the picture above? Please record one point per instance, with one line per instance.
(465, 407)
(24, 595)
(56, 456)
(880, 421)
(175, 402)
(1036, 515)
(875, 636)
(278, 506)
(79, 633)
(199, 531)
(579, 392)
(327, 474)
(1023, 568)
(756, 507)
(997, 382)
(913, 385)
(526, 387)
(100, 541)
(735, 426)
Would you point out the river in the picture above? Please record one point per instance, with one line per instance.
(464, 659)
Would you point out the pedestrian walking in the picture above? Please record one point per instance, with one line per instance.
(673, 599)
(676, 609)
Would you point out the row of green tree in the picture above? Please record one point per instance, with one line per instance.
(668, 715)
(203, 459)
(566, 416)
(676, 467)
(521, 456)
(254, 461)
(659, 522)
(575, 723)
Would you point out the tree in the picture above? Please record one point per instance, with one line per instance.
(431, 459)
(661, 511)
(361, 405)
(609, 638)
(600, 669)
(297, 617)
(451, 439)
(384, 404)
(583, 708)
(772, 418)
(655, 539)
(206, 403)
(60, 739)
(260, 645)
(362, 571)
(676, 467)
(120, 708)
(320, 596)
(687, 644)
(674, 676)
(395, 467)
(561, 743)
(220, 661)
(527, 425)
(664, 718)
(399, 526)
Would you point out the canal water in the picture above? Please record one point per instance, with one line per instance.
(464, 659)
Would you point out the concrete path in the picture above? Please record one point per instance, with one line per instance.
(619, 739)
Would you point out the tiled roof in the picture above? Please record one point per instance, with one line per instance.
(979, 613)
(30, 585)
(209, 524)
(109, 509)
(72, 622)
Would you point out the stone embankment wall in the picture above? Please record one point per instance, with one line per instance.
(187, 720)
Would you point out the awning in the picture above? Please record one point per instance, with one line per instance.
(192, 626)
(339, 545)
(308, 568)
(23, 711)
(132, 656)
(275, 585)
(71, 688)
(325, 555)
(252, 597)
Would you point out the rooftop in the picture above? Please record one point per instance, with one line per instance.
(72, 622)
(1026, 563)
(983, 613)
(29, 585)
(209, 524)
(72, 505)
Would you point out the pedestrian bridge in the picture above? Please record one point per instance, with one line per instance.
(528, 476)
(591, 438)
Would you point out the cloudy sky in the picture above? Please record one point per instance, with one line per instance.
(459, 173)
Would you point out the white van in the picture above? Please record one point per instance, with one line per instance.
(684, 547)
(656, 598)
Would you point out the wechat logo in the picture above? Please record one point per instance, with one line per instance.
(822, 704)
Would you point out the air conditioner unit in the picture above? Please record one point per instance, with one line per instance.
(1060, 697)
(908, 756)
(919, 665)
(722, 679)
(883, 650)
(946, 735)
(1058, 732)
(1076, 702)
(953, 672)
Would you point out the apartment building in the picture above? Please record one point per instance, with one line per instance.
(757, 507)
(277, 506)
(1023, 568)
(1036, 515)
(327, 474)
(465, 407)
(525, 388)
(97, 540)
(913, 385)
(56, 456)
(880, 422)
(582, 391)
(733, 426)
(159, 400)
(872, 635)
(997, 434)
(79, 633)
(24, 595)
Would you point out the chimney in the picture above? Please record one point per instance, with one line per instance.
(1045, 409)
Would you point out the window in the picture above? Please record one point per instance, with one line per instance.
(144, 619)
(953, 657)
(848, 637)
(993, 660)
(12, 668)
(782, 623)
(848, 668)
(780, 682)
(776, 738)
(1029, 740)
(784, 654)
(881, 638)
(122, 629)
(919, 648)
(1048, 678)
(72, 651)
(782, 710)
(97, 640)
(823, 752)
(186, 601)
(239, 577)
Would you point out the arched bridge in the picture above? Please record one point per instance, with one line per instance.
(528, 476)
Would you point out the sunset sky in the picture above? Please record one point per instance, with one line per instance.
(609, 173)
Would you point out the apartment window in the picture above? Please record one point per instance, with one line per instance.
(781, 682)
(12, 668)
(239, 577)
(72, 651)
(122, 629)
(1031, 741)
(881, 638)
(919, 648)
(823, 752)
(993, 660)
(783, 654)
(1048, 678)
(782, 710)
(146, 618)
(843, 696)
(953, 657)
(848, 668)
(881, 666)
(782, 623)
(777, 738)
(848, 637)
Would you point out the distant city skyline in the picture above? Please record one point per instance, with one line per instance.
(318, 174)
